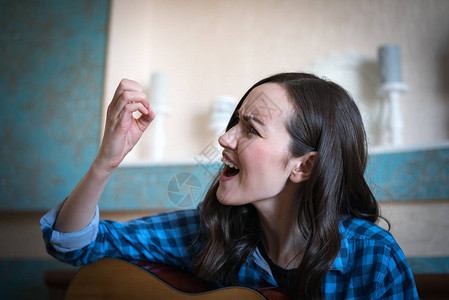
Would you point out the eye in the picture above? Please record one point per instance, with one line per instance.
(252, 130)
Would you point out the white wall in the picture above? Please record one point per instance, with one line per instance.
(213, 48)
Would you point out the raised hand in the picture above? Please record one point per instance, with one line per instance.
(122, 130)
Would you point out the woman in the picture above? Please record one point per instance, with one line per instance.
(290, 208)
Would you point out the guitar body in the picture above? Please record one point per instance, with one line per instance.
(111, 278)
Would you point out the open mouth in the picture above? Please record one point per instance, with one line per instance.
(230, 169)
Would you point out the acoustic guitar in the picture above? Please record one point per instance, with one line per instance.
(111, 278)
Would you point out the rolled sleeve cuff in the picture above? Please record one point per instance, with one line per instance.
(66, 242)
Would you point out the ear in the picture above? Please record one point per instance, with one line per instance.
(303, 167)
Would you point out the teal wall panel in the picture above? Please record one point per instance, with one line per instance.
(410, 175)
(429, 265)
(52, 59)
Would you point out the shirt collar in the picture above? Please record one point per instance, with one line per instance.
(262, 267)
(341, 261)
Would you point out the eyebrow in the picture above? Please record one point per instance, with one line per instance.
(251, 118)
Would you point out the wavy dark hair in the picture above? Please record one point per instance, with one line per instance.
(325, 120)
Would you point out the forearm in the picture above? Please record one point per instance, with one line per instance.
(79, 208)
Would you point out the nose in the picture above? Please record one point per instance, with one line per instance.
(229, 139)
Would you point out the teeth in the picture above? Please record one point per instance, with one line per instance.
(228, 163)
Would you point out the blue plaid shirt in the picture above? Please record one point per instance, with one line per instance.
(370, 264)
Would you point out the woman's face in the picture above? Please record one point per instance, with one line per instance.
(258, 145)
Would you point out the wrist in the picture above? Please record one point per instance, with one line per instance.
(100, 168)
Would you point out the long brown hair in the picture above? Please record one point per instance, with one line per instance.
(326, 120)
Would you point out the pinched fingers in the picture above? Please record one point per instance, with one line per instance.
(127, 91)
(125, 115)
(131, 97)
(122, 130)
